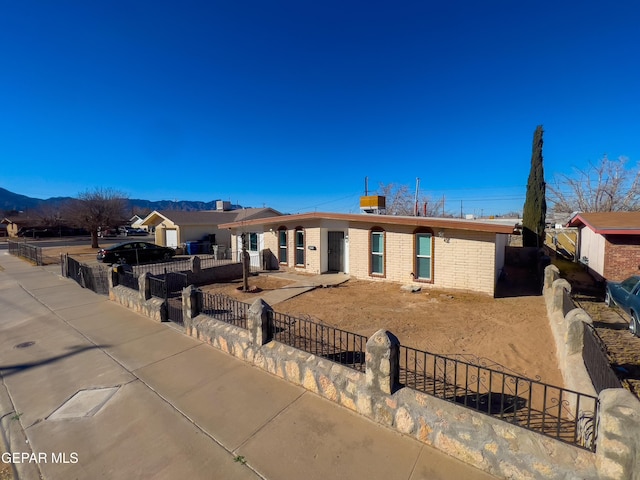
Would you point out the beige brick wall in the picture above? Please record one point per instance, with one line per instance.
(467, 261)
(461, 260)
(311, 257)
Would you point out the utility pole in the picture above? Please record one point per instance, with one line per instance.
(415, 203)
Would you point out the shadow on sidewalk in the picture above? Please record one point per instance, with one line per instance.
(8, 370)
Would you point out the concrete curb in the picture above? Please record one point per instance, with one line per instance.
(13, 437)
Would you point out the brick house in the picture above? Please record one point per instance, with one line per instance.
(433, 252)
(609, 243)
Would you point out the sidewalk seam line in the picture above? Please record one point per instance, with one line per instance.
(173, 407)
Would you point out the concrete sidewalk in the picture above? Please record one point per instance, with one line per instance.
(92, 390)
(300, 284)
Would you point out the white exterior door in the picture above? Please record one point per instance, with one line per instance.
(171, 238)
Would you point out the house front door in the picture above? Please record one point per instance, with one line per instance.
(336, 251)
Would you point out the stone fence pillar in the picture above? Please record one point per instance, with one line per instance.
(558, 288)
(259, 322)
(144, 287)
(551, 274)
(195, 264)
(618, 446)
(383, 362)
(191, 302)
(574, 334)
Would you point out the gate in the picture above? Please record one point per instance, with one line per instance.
(175, 282)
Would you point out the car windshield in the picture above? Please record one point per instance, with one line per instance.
(630, 283)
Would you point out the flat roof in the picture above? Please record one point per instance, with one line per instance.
(433, 222)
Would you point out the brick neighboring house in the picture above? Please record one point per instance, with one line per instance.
(609, 243)
(434, 252)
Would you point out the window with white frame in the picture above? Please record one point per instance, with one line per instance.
(377, 252)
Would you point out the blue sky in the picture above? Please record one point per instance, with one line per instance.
(291, 104)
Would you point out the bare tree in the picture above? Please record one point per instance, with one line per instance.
(603, 187)
(95, 209)
(400, 200)
(50, 216)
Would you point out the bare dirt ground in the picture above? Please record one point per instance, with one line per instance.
(507, 332)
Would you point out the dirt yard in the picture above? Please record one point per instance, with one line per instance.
(507, 332)
(510, 333)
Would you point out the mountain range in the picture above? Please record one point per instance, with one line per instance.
(10, 201)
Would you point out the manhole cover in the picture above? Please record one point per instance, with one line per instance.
(24, 344)
(85, 403)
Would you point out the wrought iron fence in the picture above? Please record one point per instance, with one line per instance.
(182, 265)
(128, 279)
(556, 412)
(225, 309)
(24, 250)
(95, 277)
(594, 354)
(211, 262)
(337, 345)
(157, 287)
(169, 288)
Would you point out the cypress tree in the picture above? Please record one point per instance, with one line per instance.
(535, 205)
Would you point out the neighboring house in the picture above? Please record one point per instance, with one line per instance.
(136, 222)
(609, 243)
(438, 252)
(15, 223)
(173, 228)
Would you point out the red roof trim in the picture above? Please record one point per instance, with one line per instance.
(578, 220)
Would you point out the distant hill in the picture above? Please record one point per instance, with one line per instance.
(10, 201)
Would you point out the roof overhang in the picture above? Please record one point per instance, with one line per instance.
(429, 222)
(603, 229)
(154, 218)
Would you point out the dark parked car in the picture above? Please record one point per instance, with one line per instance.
(134, 253)
(626, 295)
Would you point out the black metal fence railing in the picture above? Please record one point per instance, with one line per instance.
(337, 345)
(594, 354)
(225, 309)
(95, 277)
(556, 412)
(128, 279)
(212, 262)
(183, 265)
(157, 287)
(24, 250)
